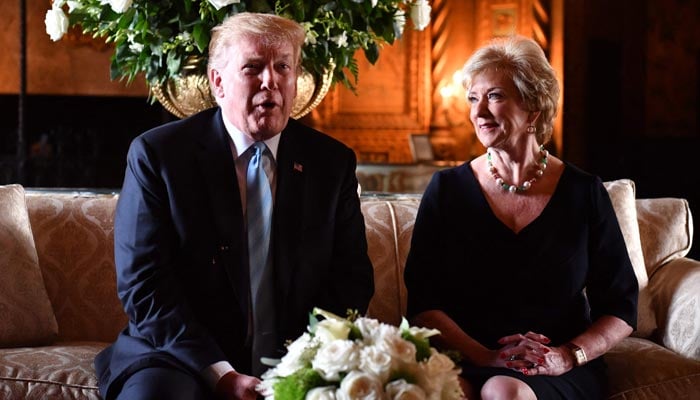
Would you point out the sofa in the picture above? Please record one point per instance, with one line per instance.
(58, 302)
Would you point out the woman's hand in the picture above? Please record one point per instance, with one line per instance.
(556, 362)
(514, 354)
(530, 355)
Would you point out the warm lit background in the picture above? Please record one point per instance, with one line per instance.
(630, 73)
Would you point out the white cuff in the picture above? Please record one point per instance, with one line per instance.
(216, 371)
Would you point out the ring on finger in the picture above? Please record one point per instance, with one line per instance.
(512, 358)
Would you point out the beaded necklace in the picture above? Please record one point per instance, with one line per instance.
(512, 188)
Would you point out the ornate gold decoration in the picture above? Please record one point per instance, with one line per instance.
(310, 92)
(190, 93)
(187, 94)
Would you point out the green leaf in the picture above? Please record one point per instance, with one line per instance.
(313, 321)
(355, 333)
(114, 70)
(372, 53)
(404, 324)
(201, 37)
(330, 6)
(174, 63)
(422, 345)
(295, 386)
(126, 18)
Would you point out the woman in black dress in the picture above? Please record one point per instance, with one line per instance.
(536, 284)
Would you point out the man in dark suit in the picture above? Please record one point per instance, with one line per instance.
(181, 240)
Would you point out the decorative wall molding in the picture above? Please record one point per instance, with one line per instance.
(392, 102)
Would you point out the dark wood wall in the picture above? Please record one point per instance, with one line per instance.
(74, 141)
(632, 94)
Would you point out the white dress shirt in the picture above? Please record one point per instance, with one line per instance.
(240, 143)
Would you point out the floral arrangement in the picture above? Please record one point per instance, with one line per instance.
(156, 37)
(361, 358)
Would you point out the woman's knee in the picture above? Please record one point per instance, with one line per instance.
(506, 388)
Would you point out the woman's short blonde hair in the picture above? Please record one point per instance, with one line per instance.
(272, 30)
(523, 61)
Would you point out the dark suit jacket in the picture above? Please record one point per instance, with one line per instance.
(181, 255)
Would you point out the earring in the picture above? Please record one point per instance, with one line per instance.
(531, 129)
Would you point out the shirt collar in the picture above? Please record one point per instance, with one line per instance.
(241, 141)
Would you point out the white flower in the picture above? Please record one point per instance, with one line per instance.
(222, 3)
(451, 389)
(341, 40)
(298, 354)
(422, 333)
(321, 393)
(332, 329)
(335, 357)
(420, 14)
(368, 328)
(119, 6)
(360, 386)
(374, 3)
(437, 364)
(383, 331)
(72, 5)
(437, 372)
(400, 350)
(134, 46)
(266, 387)
(311, 34)
(56, 23)
(376, 361)
(400, 20)
(402, 390)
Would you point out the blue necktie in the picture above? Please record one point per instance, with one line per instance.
(259, 215)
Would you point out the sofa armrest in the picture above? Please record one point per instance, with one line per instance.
(675, 292)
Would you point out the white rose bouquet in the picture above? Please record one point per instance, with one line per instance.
(361, 358)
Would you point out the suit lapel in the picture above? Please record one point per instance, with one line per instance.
(289, 208)
(219, 172)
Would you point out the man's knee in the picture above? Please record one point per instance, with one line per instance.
(163, 383)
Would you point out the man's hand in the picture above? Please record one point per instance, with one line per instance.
(235, 386)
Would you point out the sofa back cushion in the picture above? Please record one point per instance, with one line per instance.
(74, 237)
(622, 195)
(26, 316)
(389, 226)
(666, 230)
(73, 232)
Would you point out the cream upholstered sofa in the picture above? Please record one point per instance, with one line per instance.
(58, 303)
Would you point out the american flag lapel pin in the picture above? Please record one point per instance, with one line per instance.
(298, 167)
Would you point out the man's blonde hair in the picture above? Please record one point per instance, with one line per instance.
(272, 30)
